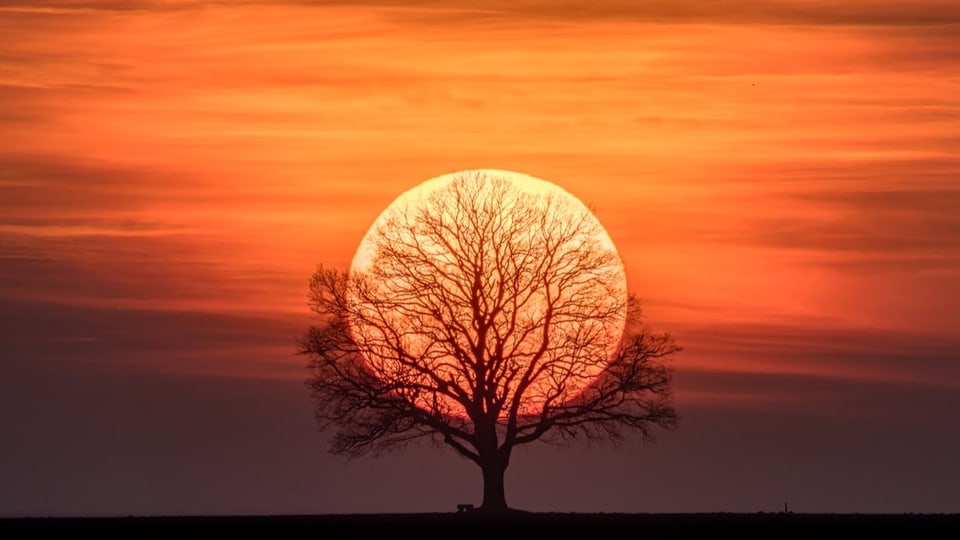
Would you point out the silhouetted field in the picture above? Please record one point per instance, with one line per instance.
(472, 525)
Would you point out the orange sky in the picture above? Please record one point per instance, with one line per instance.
(781, 180)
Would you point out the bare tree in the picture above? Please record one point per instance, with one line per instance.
(485, 319)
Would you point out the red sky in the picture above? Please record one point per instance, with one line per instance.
(782, 179)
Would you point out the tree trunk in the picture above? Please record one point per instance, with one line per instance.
(494, 498)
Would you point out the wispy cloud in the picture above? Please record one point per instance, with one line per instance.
(55, 334)
(812, 12)
(908, 222)
(818, 350)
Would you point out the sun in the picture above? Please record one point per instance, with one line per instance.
(490, 281)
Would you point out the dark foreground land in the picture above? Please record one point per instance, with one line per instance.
(477, 525)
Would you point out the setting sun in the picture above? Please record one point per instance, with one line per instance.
(495, 268)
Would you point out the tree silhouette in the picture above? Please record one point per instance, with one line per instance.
(486, 318)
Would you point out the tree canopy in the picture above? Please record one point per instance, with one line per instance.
(483, 317)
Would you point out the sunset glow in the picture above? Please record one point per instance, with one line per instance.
(781, 180)
(751, 174)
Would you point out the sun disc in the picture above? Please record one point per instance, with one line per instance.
(433, 198)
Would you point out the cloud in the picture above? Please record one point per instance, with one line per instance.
(816, 12)
(52, 6)
(869, 214)
(814, 351)
(153, 340)
(856, 12)
(902, 221)
(57, 184)
(813, 394)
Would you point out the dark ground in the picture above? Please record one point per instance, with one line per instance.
(472, 525)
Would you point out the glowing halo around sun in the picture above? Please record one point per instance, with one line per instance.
(434, 199)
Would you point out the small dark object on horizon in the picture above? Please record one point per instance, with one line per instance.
(461, 508)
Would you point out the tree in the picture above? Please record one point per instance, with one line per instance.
(485, 318)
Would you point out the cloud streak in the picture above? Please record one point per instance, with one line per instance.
(814, 12)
